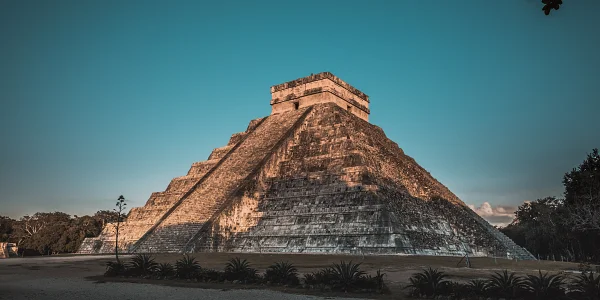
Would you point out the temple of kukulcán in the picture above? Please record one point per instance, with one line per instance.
(313, 177)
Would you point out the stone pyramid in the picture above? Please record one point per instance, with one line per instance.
(313, 177)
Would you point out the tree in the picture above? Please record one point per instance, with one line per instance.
(567, 227)
(6, 228)
(121, 205)
(551, 4)
(42, 231)
(106, 216)
(582, 193)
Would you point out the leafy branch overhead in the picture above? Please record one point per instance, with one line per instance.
(550, 5)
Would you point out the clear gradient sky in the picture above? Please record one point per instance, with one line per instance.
(103, 98)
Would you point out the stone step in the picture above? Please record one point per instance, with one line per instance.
(208, 197)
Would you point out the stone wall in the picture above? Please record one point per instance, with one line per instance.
(319, 88)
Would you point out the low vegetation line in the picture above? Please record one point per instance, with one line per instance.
(339, 277)
(347, 277)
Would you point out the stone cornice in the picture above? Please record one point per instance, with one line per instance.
(320, 76)
(332, 91)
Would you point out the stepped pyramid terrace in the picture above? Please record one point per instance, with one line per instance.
(313, 177)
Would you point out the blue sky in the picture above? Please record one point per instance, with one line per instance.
(103, 98)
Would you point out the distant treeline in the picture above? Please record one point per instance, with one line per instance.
(52, 233)
(568, 228)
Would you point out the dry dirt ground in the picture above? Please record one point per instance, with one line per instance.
(57, 277)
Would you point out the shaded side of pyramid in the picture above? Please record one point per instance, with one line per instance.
(337, 184)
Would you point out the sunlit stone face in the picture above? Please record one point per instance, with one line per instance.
(319, 88)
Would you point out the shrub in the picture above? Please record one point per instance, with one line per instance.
(237, 269)
(345, 275)
(321, 278)
(115, 269)
(187, 267)
(455, 290)
(378, 280)
(282, 272)
(429, 282)
(544, 286)
(478, 287)
(586, 286)
(165, 270)
(210, 275)
(372, 283)
(142, 264)
(505, 285)
(309, 278)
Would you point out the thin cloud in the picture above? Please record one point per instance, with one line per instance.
(499, 215)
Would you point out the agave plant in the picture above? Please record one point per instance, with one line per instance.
(379, 280)
(371, 283)
(282, 272)
(544, 286)
(165, 270)
(322, 277)
(429, 282)
(237, 269)
(211, 275)
(115, 269)
(505, 285)
(346, 274)
(309, 278)
(142, 264)
(478, 287)
(455, 290)
(187, 267)
(586, 286)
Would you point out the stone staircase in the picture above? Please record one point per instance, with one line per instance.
(315, 201)
(142, 219)
(185, 219)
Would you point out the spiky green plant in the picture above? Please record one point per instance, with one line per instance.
(322, 277)
(544, 286)
(142, 265)
(115, 269)
(378, 278)
(282, 272)
(455, 290)
(165, 270)
(586, 286)
(478, 287)
(429, 282)
(210, 275)
(346, 274)
(506, 285)
(187, 267)
(237, 269)
(309, 278)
